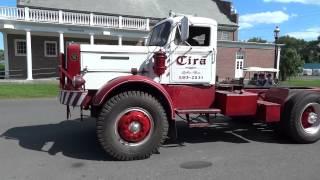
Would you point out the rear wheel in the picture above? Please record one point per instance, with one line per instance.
(302, 117)
(132, 125)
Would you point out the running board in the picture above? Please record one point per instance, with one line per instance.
(193, 124)
(197, 111)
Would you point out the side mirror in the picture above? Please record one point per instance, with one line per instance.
(184, 29)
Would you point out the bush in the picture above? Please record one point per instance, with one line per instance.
(2, 73)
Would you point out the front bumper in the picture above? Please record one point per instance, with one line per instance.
(72, 98)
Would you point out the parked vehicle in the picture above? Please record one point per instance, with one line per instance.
(261, 77)
(137, 92)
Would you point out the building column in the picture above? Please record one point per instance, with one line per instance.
(61, 42)
(91, 38)
(6, 55)
(29, 55)
(145, 41)
(120, 40)
(278, 62)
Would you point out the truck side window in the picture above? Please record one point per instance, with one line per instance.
(198, 36)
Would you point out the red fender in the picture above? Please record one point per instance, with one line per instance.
(102, 94)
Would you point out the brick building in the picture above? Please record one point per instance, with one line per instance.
(37, 30)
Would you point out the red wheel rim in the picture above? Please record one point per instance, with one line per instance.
(309, 119)
(305, 117)
(134, 126)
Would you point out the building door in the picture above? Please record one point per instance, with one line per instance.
(239, 65)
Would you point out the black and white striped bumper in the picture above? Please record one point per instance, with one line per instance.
(72, 98)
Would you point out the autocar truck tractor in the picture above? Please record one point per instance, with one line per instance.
(137, 92)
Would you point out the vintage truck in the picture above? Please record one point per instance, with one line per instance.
(137, 92)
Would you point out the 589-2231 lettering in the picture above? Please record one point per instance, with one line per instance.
(190, 77)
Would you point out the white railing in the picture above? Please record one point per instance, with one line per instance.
(12, 13)
(134, 23)
(38, 15)
(107, 21)
(75, 18)
(63, 17)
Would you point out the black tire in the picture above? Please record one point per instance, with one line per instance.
(292, 117)
(107, 126)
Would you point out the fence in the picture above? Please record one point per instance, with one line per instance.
(37, 73)
(73, 18)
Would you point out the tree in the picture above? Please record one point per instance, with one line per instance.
(291, 42)
(1, 54)
(291, 56)
(290, 63)
(308, 51)
(257, 39)
(311, 53)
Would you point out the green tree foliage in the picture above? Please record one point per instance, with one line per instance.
(311, 52)
(291, 42)
(290, 63)
(257, 39)
(1, 54)
(300, 52)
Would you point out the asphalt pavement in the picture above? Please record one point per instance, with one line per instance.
(38, 143)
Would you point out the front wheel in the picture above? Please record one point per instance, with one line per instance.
(132, 125)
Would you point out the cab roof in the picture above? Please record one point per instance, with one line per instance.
(192, 20)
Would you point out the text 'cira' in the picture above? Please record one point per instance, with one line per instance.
(188, 60)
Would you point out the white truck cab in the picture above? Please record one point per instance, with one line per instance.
(191, 60)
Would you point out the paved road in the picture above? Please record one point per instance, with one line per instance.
(37, 143)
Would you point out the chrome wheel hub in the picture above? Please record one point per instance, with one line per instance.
(135, 127)
(313, 117)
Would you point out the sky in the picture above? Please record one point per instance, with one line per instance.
(297, 18)
(258, 18)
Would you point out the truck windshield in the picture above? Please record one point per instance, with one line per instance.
(159, 35)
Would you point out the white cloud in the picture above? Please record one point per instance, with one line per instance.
(250, 20)
(317, 2)
(308, 34)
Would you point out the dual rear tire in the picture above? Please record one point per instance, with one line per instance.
(301, 117)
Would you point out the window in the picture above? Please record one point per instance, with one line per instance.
(239, 64)
(50, 49)
(240, 55)
(160, 34)
(239, 59)
(198, 36)
(20, 47)
(225, 35)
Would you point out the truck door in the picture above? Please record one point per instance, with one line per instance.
(192, 62)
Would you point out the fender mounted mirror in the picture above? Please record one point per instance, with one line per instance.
(184, 29)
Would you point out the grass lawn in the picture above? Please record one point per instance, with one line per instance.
(34, 90)
(304, 83)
